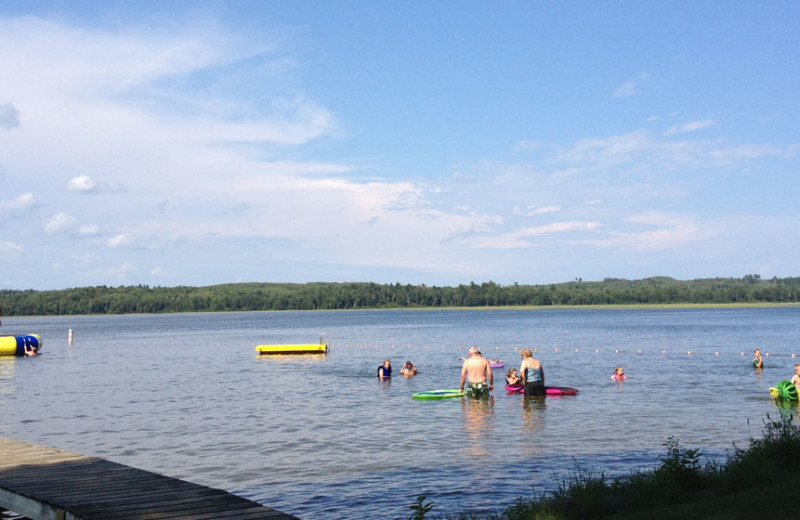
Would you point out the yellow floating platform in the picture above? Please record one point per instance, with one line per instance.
(313, 348)
(16, 345)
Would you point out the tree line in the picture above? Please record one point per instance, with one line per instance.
(367, 295)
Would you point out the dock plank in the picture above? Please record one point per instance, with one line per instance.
(45, 483)
(168, 508)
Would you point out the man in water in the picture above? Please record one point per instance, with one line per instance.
(477, 372)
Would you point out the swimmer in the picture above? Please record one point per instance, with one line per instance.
(619, 374)
(408, 369)
(385, 370)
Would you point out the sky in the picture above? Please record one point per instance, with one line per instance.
(412, 142)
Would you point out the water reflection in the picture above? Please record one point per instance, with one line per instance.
(788, 408)
(533, 408)
(478, 422)
(7, 364)
(279, 358)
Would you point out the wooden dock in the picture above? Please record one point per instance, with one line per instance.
(44, 483)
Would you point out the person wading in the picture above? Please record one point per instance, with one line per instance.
(477, 373)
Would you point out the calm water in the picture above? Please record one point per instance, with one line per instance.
(319, 437)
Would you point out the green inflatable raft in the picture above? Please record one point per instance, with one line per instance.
(784, 390)
(438, 394)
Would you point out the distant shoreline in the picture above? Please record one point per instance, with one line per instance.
(611, 293)
(486, 308)
(620, 306)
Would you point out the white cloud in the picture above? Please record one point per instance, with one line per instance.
(669, 231)
(629, 88)
(83, 183)
(544, 209)
(91, 61)
(691, 126)
(519, 238)
(10, 247)
(743, 152)
(120, 240)
(21, 203)
(606, 152)
(530, 145)
(84, 258)
(120, 272)
(87, 184)
(59, 222)
(89, 230)
(557, 227)
(642, 151)
(531, 211)
(9, 116)
(166, 112)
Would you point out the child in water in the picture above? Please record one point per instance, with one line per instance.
(619, 374)
(796, 377)
(512, 380)
(757, 361)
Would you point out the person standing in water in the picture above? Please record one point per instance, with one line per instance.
(477, 373)
(408, 369)
(532, 373)
(796, 376)
(385, 370)
(757, 361)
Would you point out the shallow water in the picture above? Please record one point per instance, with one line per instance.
(319, 437)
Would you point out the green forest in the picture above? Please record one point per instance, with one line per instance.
(365, 295)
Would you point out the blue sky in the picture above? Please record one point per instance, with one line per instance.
(196, 143)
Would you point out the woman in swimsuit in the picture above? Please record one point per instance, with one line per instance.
(532, 373)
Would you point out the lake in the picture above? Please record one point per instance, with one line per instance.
(321, 438)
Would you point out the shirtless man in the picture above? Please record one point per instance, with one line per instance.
(477, 371)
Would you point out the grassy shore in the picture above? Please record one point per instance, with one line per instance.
(759, 481)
